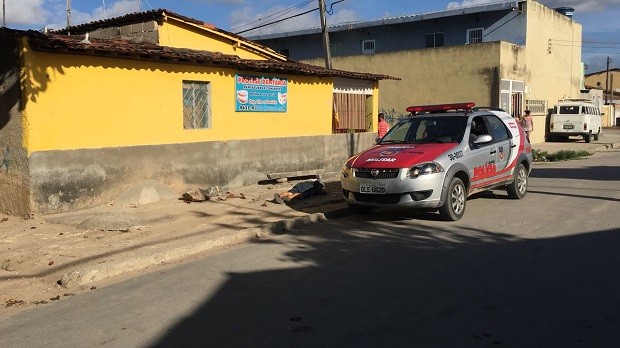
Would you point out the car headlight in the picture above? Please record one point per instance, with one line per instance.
(423, 169)
(347, 170)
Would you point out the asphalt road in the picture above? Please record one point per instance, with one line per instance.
(537, 272)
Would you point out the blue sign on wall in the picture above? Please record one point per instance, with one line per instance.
(260, 94)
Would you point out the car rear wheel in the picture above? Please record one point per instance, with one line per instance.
(454, 203)
(587, 137)
(518, 188)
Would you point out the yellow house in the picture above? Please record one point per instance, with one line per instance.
(607, 82)
(154, 100)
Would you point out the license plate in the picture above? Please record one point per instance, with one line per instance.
(568, 126)
(375, 189)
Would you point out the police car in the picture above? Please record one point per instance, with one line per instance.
(437, 157)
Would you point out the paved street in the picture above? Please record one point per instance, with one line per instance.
(536, 272)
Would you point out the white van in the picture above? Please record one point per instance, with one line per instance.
(575, 117)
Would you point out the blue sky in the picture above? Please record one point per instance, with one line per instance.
(600, 18)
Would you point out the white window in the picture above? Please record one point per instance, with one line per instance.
(368, 47)
(511, 96)
(474, 35)
(196, 104)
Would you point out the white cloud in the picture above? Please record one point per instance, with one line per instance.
(584, 6)
(452, 5)
(25, 12)
(112, 9)
(247, 18)
(343, 16)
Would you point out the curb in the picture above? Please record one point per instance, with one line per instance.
(89, 274)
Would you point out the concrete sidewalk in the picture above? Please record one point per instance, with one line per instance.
(46, 257)
(608, 140)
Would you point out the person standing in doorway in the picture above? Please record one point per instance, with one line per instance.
(383, 127)
(527, 124)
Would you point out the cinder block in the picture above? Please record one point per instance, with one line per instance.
(96, 34)
(136, 28)
(149, 26)
(126, 30)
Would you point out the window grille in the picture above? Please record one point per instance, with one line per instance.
(368, 47)
(474, 35)
(196, 105)
(537, 107)
(434, 40)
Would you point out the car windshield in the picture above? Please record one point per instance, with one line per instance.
(427, 129)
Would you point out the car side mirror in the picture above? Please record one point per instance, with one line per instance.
(483, 139)
(377, 139)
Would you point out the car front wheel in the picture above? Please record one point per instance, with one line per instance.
(454, 203)
(518, 188)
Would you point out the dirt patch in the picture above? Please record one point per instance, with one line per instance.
(37, 252)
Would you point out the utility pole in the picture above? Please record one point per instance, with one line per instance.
(328, 54)
(3, 13)
(611, 89)
(607, 81)
(68, 13)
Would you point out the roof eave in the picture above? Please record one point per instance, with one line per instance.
(507, 5)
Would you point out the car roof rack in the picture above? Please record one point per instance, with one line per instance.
(419, 109)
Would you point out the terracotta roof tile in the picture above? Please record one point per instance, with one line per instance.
(139, 17)
(131, 18)
(75, 44)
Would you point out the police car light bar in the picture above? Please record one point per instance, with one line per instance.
(441, 107)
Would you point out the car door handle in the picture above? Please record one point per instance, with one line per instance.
(513, 146)
(493, 152)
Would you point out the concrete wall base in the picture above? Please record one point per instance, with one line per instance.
(68, 180)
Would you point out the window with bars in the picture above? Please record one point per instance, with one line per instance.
(196, 105)
(474, 35)
(368, 47)
(434, 40)
(537, 107)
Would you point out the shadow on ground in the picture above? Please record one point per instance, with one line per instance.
(367, 283)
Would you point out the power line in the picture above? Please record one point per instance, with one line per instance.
(592, 42)
(277, 13)
(588, 46)
(287, 18)
(278, 21)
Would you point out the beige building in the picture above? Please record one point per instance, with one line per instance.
(514, 55)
